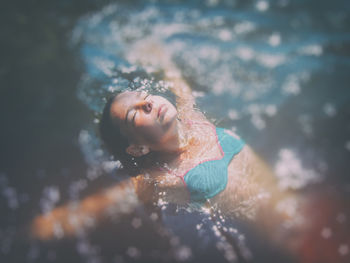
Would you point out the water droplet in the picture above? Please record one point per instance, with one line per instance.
(133, 252)
(341, 218)
(275, 39)
(329, 110)
(136, 222)
(347, 145)
(343, 249)
(262, 6)
(326, 233)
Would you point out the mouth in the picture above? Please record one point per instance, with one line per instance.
(161, 110)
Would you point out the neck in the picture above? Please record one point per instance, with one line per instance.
(174, 144)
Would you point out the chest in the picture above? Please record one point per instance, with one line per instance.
(210, 176)
(203, 146)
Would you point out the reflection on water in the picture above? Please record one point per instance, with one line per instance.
(276, 72)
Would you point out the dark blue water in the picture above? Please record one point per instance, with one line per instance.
(277, 72)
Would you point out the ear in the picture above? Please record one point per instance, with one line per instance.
(137, 150)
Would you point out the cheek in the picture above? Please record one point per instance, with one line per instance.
(152, 134)
(150, 131)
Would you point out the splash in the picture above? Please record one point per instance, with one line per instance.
(291, 173)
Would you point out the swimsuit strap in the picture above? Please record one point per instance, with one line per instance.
(168, 170)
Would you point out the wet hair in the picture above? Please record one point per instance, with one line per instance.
(115, 142)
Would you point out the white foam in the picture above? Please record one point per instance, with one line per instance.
(225, 35)
(258, 122)
(105, 65)
(262, 6)
(275, 39)
(212, 2)
(271, 60)
(305, 121)
(343, 249)
(291, 85)
(311, 50)
(183, 253)
(291, 173)
(50, 197)
(341, 218)
(109, 166)
(136, 222)
(245, 53)
(12, 198)
(271, 110)
(244, 27)
(233, 114)
(329, 109)
(326, 232)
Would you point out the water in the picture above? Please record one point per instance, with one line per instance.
(276, 72)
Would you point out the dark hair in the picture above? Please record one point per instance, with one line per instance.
(115, 142)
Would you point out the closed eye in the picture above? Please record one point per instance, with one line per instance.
(133, 118)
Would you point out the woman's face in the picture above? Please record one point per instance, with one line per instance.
(144, 118)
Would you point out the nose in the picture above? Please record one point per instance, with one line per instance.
(147, 106)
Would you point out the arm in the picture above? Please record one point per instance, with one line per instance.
(68, 219)
(179, 87)
(151, 52)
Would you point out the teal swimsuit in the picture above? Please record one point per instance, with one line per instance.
(209, 177)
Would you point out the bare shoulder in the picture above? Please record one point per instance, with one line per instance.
(249, 159)
(192, 114)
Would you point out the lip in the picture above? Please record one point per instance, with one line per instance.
(161, 110)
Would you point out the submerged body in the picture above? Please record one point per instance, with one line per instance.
(179, 147)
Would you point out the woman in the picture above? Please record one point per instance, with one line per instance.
(179, 152)
(174, 154)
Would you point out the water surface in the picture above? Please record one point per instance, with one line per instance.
(276, 72)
